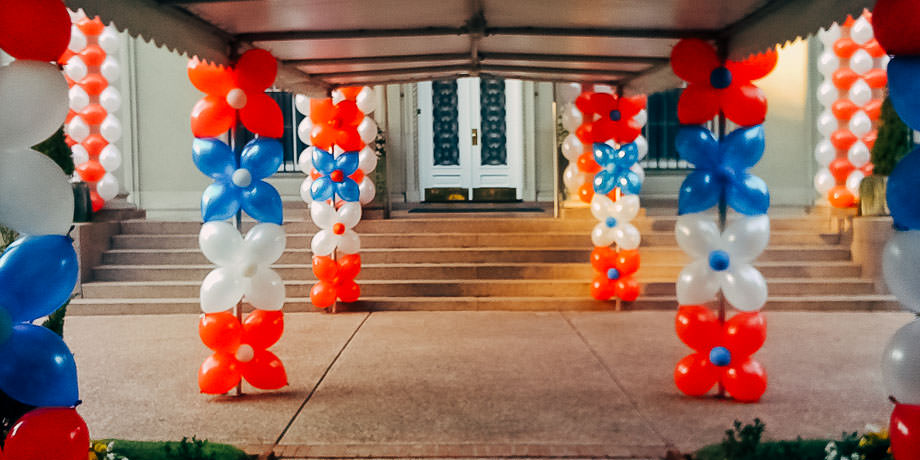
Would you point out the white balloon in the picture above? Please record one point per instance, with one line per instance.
(80, 155)
(221, 290)
(110, 128)
(110, 69)
(626, 208)
(77, 128)
(567, 92)
(350, 242)
(601, 207)
(107, 187)
(572, 148)
(110, 157)
(221, 243)
(37, 198)
(77, 39)
(883, 62)
(697, 283)
(828, 62)
(641, 118)
(900, 260)
(858, 154)
(323, 242)
(744, 287)
(368, 190)
(861, 62)
(323, 214)
(860, 93)
(697, 234)
(110, 99)
(571, 117)
(266, 290)
(349, 214)
(304, 129)
(602, 235)
(573, 177)
(827, 123)
(861, 31)
(830, 35)
(34, 103)
(305, 194)
(305, 160)
(637, 168)
(827, 93)
(78, 98)
(825, 152)
(860, 124)
(853, 181)
(367, 159)
(824, 181)
(302, 103)
(337, 96)
(264, 243)
(75, 68)
(641, 146)
(367, 129)
(366, 100)
(901, 364)
(109, 40)
(627, 236)
(745, 238)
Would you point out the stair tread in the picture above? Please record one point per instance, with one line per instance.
(474, 281)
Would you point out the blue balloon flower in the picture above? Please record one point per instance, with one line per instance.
(237, 187)
(616, 169)
(334, 172)
(721, 170)
(38, 369)
(904, 88)
(901, 192)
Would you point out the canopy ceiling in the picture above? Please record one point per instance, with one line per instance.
(322, 44)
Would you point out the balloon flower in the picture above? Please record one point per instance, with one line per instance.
(722, 262)
(240, 351)
(334, 176)
(722, 353)
(336, 228)
(614, 274)
(615, 221)
(336, 124)
(714, 87)
(336, 280)
(38, 274)
(721, 170)
(242, 266)
(607, 116)
(230, 90)
(239, 186)
(616, 169)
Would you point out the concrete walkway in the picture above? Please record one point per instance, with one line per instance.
(476, 384)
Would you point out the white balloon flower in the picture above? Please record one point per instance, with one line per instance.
(242, 266)
(336, 228)
(615, 218)
(722, 261)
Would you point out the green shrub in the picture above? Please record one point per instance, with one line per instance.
(187, 449)
(56, 148)
(893, 141)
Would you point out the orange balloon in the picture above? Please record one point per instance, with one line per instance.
(351, 92)
(586, 192)
(603, 258)
(627, 261)
(90, 171)
(873, 109)
(218, 374)
(840, 168)
(876, 78)
(256, 70)
(323, 137)
(349, 266)
(874, 48)
(867, 169)
(263, 328)
(843, 108)
(587, 164)
(845, 47)
(212, 117)
(220, 331)
(69, 141)
(358, 176)
(96, 200)
(869, 139)
(843, 139)
(844, 78)
(324, 268)
(840, 197)
(94, 143)
(746, 381)
(627, 288)
(349, 139)
(93, 114)
(265, 371)
(93, 84)
(66, 57)
(745, 333)
(210, 78)
(92, 55)
(92, 26)
(348, 291)
(694, 375)
(602, 288)
(70, 115)
(321, 110)
(698, 327)
(323, 294)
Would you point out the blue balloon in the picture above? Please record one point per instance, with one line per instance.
(262, 156)
(323, 161)
(696, 145)
(220, 201)
(904, 88)
(626, 156)
(38, 369)
(213, 157)
(901, 192)
(616, 172)
(263, 203)
(720, 356)
(348, 190)
(603, 153)
(322, 189)
(748, 195)
(347, 163)
(743, 147)
(37, 276)
(699, 192)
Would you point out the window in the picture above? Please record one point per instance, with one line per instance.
(661, 130)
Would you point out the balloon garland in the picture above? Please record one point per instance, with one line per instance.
(340, 133)
(39, 270)
(243, 272)
(895, 31)
(853, 65)
(92, 127)
(721, 269)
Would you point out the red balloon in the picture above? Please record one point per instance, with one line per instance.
(94, 143)
(265, 371)
(93, 114)
(843, 109)
(48, 433)
(694, 375)
(349, 266)
(603, 258)
(91, 171)
(904, 430)
(745, 381)
(351, 92)
(843, 78)
(840, 168)
(324, 268)
(323, 294)
(586, 192)
(358, 176)
(843, 139)
(840, 197)
(698, 327)
(262, 328)
(92, 55)
(96, 200)
(212, 117)
(220, 331)
(874, 48)
(210, 78)
(348, 291)
(698, 104)
(218, 374)
(63, 60)
(587, 164)
(93, 84)
(876, 78)
(262, 115)
(92, 26)
(745, 105)
(37, 30)
(869, 139)
(323, 137)
(845, 47)
(693, 60)
(894, 23)
(602, 288)
(867, 169)
(745, 333)
(349, 139)
(626, 288)
(256, 70)
(873, 109)
(627, 261)
(754, 67)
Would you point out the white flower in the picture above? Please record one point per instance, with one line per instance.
(615, 218)
(336, 228)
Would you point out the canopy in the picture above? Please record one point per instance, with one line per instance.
(322, 44)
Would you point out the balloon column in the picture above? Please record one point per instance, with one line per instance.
(92, 127)
(895, 31)
(38, 271)
(721, 269)
(243, 273)
(853, 65)
(341, 133)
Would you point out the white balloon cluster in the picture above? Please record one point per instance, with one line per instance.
(572, 148)
(615, 219)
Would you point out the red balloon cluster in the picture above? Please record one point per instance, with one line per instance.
(241, 351)
(722, 353)
(47, 433)
(614, 272)
(336, 124)
(607, 116)
(336, 280)
(241, 89)
(714, 87)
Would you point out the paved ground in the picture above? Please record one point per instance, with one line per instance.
(476, 384)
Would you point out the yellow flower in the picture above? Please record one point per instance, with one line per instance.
(99, 447)
(92, 456)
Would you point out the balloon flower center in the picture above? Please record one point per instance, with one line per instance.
(613, 274)
(615, 115)
(245, 353)
(725, 172)
(718, 260)
(236, 98)
(241, 178)
(720, 78)
(249, 270)
(338, 228)
(337, 175)
(335, 123)
(6, 325)
(720, 356)
(610, 222)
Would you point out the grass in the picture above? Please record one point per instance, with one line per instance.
(171, 450)
(805, 449)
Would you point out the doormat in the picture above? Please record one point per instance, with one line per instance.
(469, 210)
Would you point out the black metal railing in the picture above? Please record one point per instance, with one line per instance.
(661, 130)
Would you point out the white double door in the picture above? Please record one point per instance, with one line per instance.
(465, 167)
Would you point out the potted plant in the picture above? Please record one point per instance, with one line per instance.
(892, 143)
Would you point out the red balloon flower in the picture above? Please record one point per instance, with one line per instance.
(713, 87)
(230, 90)
(336, 280)
(723, 353)
(240, 351)
(607, 116)
(335, 124)
(614, 274)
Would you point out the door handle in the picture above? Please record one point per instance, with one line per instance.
(475, 134)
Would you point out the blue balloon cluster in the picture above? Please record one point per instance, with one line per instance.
(239, 186)
(334, 172)
(722, 170)
(903, 183)
(37, 275)
(616, 169)
(904, 88)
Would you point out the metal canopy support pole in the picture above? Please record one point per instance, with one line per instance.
(238, 219)
(722, 49)
(556, 189)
